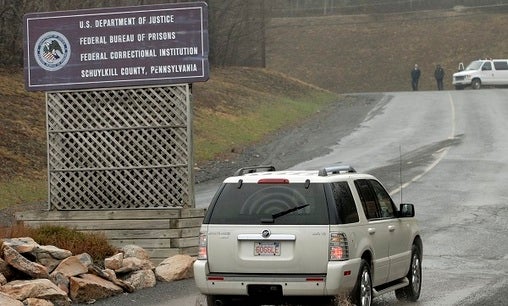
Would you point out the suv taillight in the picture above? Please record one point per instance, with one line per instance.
(338, 247)
(202, 251)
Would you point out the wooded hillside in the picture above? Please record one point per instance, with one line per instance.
(237, 28)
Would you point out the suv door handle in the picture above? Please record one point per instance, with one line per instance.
(391, 228)
(371, 230)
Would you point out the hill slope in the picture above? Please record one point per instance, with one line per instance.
(23, 130)
(375, 53)
(236, 107)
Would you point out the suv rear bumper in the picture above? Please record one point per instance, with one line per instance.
(340, 277)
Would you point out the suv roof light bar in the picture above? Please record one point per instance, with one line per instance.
(254, 169)
(336, 170)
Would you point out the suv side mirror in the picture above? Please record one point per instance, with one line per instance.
(406, 211)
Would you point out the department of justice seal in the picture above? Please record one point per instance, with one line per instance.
(52, 51)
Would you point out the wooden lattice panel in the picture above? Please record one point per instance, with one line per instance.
(119, 148)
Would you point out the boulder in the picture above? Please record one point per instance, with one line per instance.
(21, 245)
(175, 268)
(77, 278)
(88, 288)
(37, 302)
(5, 299)
(132, 250)
(18, 261)
(37, 288)
(74, 265)
(131, 264)
(60, 280)
(110, 275)
(54, 251)
(114, 262)
(46, 260)
(6, 270)
(50, 256)
(3, 280)
(141, 279)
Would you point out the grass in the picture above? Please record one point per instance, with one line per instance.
(95, 244)
(21, 190)
(239, 106)
(221, 132)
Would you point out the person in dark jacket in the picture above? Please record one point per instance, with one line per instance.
(439, 75)
(415, 77)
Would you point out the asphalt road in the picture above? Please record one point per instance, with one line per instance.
(448, 151)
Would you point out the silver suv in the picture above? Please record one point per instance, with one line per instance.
(317, 237)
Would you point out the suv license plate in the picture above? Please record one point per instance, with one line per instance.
(271, 248)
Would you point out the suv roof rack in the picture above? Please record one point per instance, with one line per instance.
(336, 170)
(254, 169)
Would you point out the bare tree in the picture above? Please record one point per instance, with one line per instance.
(236, 27)
(237, 32)
(11, 38)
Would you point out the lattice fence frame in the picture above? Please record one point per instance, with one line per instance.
(120, 148)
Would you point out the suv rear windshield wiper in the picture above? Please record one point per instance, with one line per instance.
(283, 213)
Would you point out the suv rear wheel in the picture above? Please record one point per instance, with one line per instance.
(362, 293)
(412, 291)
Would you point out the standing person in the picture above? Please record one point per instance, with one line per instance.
(439, 75)
(415, 77)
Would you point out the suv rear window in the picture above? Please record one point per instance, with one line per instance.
(260, 203)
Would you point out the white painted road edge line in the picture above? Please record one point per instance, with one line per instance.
(442, 152)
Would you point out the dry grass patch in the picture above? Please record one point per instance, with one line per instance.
(95, 244)
(239, 106)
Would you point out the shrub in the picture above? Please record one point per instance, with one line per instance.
(93, 243)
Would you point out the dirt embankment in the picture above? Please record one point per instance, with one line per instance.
(296, 143)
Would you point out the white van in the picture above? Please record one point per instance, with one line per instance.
(491, 72)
